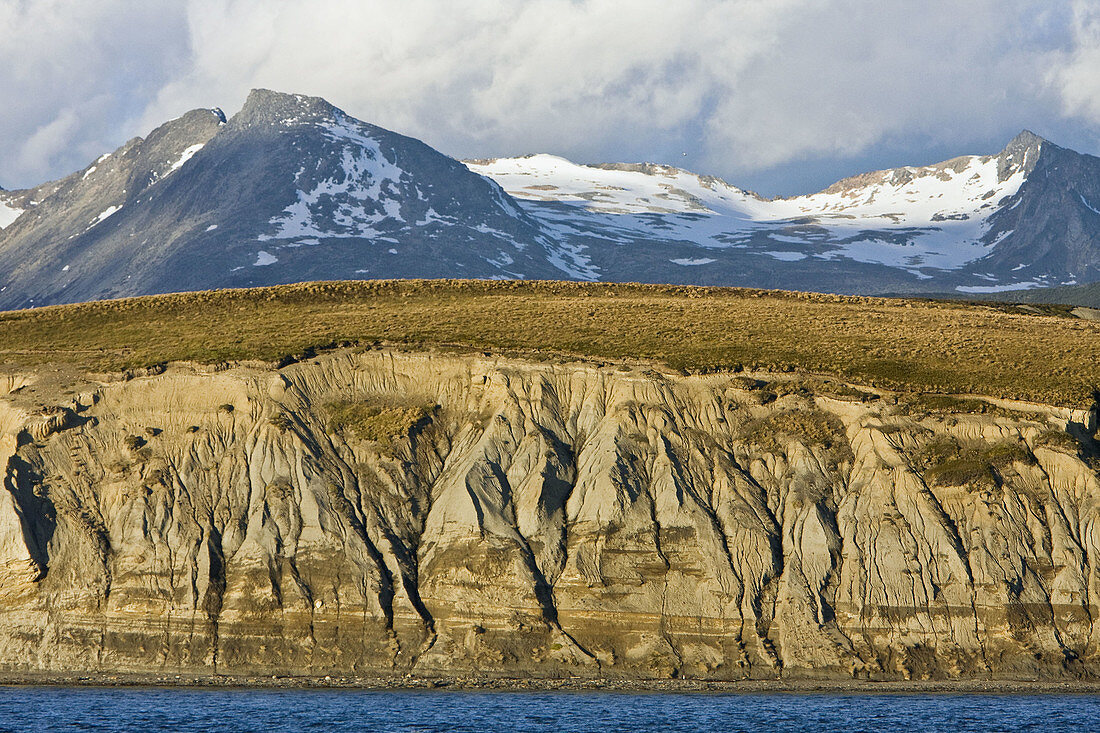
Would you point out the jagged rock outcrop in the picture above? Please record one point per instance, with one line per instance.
(379, 512)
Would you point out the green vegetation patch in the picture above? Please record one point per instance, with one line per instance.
(942, 404)
(1058, 439)
(962, 472)
(765, 392)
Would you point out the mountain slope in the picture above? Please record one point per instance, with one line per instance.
(965, 224)
(72, 242)
(288, 189)
(1052, 237)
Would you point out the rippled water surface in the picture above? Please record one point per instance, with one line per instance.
(152, 709)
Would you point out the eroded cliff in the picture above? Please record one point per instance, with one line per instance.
(380, 512)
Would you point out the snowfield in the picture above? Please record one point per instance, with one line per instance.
(187, 154)
(914, 218)
(351, 203)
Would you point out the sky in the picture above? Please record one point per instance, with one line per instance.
(777, 96)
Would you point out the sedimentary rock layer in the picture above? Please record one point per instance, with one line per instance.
(423, 513)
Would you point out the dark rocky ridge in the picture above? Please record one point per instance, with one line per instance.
(202, 225)
(291, 189)
(1054, 227)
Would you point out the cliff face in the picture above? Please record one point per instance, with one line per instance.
(380, 511)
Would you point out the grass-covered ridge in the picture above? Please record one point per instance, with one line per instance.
(909, 344)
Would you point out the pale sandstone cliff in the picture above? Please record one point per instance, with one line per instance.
(538, 519)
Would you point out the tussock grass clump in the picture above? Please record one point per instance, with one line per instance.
(944, 404)
(962, 472)
(766, 391)
(845, 392)
(281, 422)
(941, 405)
(908, 345)
(747, 384)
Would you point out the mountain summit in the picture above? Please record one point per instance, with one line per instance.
(292, 188)
(288, 189)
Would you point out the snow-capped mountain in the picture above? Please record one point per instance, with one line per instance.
(935, 228)
(289, 189)
(293, 189)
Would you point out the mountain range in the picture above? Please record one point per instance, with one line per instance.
(293, 189)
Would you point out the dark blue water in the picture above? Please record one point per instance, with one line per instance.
(84, 709)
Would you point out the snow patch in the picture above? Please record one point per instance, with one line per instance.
(503, 259)
(786, 256)
(264, 258)
(998, 288)
(363, 194)
(186, 156)
(8, 214)
(570, 259)
(1089, 206)
(109, 211)
(689, 261)
(212, 227)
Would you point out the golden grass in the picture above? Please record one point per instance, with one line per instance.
(912, 345)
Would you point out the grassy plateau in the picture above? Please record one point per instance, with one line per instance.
(1039, 353)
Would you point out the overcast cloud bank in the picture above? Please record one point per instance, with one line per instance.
(779, 95)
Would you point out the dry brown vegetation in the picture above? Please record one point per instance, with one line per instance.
(912, 345)
(376, 421)
(945, 461)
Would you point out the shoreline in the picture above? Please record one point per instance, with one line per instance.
(577, 684)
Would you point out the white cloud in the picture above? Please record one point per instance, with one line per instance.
(738, 85)
(850, 73)
(1078, 77)
(76, 77)
(479, 77)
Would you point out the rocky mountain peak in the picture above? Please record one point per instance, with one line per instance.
(1024, 141)
(266, 107)
(1021, 153)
